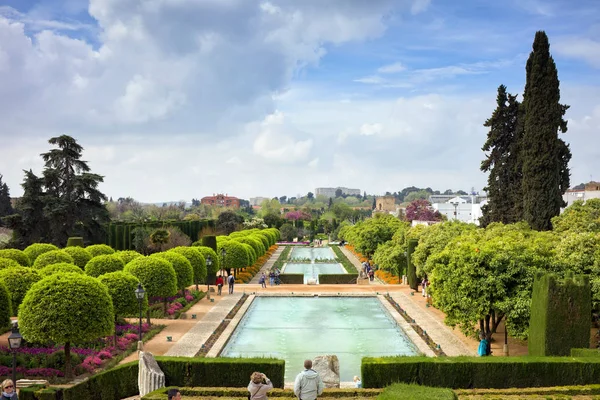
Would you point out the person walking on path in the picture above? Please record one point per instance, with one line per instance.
(263, 280)
(219, 284)
(259, 386)
(308, 384)
(231, 282)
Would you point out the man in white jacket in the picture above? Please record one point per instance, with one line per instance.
(308, 384)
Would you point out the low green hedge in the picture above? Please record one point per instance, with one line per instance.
(346, 263)
(403, 391)
(480, 372)
(292, 278)
(116, 383)
(585, 353)
(203, 392)
(337, 279)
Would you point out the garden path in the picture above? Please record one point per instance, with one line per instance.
(268, 265)
(354, 260)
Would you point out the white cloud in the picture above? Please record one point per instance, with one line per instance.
(392, 68)
(419, 6)
(276, 142)
(580, 48)
(370, 129)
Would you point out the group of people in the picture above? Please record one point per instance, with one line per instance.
(220, 281)
(368, 270)
(424, 286)
(273, 278)
(307, 386)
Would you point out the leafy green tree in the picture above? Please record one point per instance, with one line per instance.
(182, 267)
(159, 238)
(310, 196)
(78, 302)
(52, 257)
(367, 235)
(579, 217)
(5, 204)
(503, 161)
(18, 280)
(80, 255)
(104, 264)
(208, 252)
(273, 220)
(17, 255)
(236, 256)
(229, 221)
(5, 306)
(545, 156)
(288, 232)
(29, 222)
(197, 260)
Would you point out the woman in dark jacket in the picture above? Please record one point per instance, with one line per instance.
(9, 392)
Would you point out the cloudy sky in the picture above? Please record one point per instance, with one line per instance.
(175, 99)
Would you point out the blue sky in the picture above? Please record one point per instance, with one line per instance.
(271, 98)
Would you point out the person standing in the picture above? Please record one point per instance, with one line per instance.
(259, 386)
(219, 284)
(231, 282)
(263, 280)
(357, 382)
(308, 384)
(9, 392)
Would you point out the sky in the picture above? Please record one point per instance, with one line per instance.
(180, 99)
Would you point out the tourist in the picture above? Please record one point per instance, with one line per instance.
(219, 284)
(259, 386)
(277, 280)
(230, 282)
(357, 382)
(308, 384)
(484, 346)
(9, 392)
(174, 394)
(263, 281)
(271, 277)
(424, 286)
(371, 275)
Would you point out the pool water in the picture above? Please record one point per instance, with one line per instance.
(299, 328)
(313, 270)
(322, 253)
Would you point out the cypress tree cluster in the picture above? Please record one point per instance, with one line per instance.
(527, 162)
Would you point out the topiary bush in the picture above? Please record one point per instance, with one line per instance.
(182, 267)
(66, 308)
(252, 257)
(104, 264)
(209, 241)
(127, 255)
(33, 251)
(236, 256)
(18, 280)
(8, 263)
(75, 241)
(60, 268)
(403, 391)
(206, 252)
(80, 255)
(52, 257)
(5, 306)
(197, 261)
(99, 249)
(264, 239)
(17, 255)
(121, 287)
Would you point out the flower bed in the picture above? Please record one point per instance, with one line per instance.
(358, 255)
(387, 277)
(176, 305)
(246, 274)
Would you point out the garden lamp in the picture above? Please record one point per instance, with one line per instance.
(139, 294)
(14, 342)
(208, 265)
(223, 254)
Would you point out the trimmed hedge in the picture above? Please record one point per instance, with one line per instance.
(127, 255)
(480, 372)
(8, 263)
(80, 255)
(120, 234)
(17, 255)
(104, 264)
(337, 279)
(197, 261)
(585, 353)
(275, 393)
(99, 249)
(52, 257)
(157, 276)
(292, 279)
(59, 268)
(75, 241)
(116, 383)
(18, 280)
(34, 250)
(181, 265)
(403, 391)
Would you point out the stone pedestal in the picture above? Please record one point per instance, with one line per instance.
(311, 281)
(328, 367)
(150, 376)
(362, 281)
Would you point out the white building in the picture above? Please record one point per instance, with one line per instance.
(330, 192)
(458, 208)
(257, 201)
(591, 191)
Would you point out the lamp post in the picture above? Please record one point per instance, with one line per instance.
(223, 254)
(208, 265)
(139, 294)
(455, 204)
(14, 342)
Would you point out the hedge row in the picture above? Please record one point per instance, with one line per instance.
(480, 372)
(337, 279)
(120, 233)
(585, 353)
(292, 278)
(346, 263)
(204, 392)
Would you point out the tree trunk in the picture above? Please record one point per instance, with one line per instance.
(115, 336)
(165, 306)
(68, 370)
(148, 315)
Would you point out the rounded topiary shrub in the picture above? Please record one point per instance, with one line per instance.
(236, 256)
(18, 280)
(208, 252)
(182, 267)
(66, 309)
(197, 261)
(121, 287)
(59, 268)
(80, 255)
(75, 241)
(33, 251)
(8, 263)
(264, 239)
(5, 306)
(52, 257)
(104, 264)
(251, 254)
(156, 275)
(100, 249)
(17, 255)
(127, 255)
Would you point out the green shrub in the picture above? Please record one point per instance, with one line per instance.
(585, 353)
(8, 263)
(196, 259)
(75, 242)
(52, 257)
(127, 255)
(263, 239)
(236, 256)
(121, 288)
(182, 267)
(560, 315)
(230, 393)
(116, 383)
(251, 254)
(411, 272)
(209, 241)
(17, 255)
(5, 306)
(292, 279)
(337, 279)
(18, 280)
(255, 242)
(33, 251)
(156, 275)
(207, 251)
(480, 372)
(104, 264)
(80, 255)
(402, 391)
(100, 249)
(60, 268)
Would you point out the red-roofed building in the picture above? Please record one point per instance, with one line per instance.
(221, 200)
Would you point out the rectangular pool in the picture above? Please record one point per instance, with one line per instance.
(312, 253)
(299, 328)
(313, 270)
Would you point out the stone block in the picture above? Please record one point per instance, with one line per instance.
(328, 367)
(150, 376)
(360, 281)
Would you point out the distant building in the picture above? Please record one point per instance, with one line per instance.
(590, 191)
(387, 204)
(221, 200)
(257, 201)
(444, 198)
(330, 192)
(461, 208)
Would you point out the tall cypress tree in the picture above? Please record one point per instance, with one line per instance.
(545, 156)
(5, 204)
(503, 161)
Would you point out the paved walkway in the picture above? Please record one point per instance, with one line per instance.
(354, 260)
(268, 265)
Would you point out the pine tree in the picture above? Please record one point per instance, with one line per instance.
(5, 204)
(545, 156)
(503, 161)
